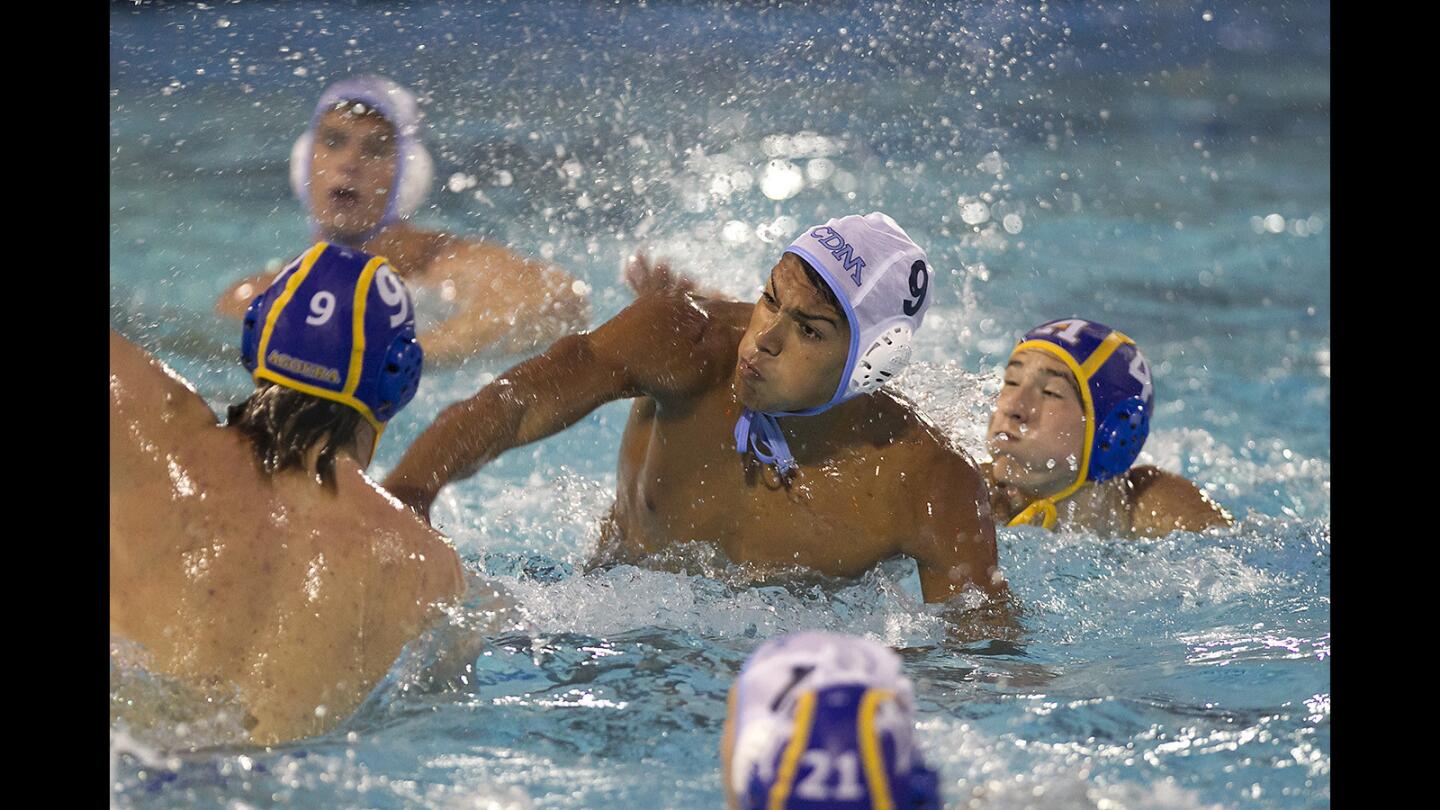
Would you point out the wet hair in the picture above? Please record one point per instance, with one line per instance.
(283, 424)
(818, 282)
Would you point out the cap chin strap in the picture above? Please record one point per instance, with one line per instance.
(1046, 507)
(756, 431)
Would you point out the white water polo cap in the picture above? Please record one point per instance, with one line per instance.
(823, 720)
(882, 280)
(414, 170)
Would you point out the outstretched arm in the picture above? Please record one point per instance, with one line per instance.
(651, 348)
(1161, 502)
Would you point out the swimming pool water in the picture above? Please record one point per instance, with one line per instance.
(1163, 170)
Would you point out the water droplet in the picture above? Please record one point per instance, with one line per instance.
(973, 212)
(781, 180)
(735, 231)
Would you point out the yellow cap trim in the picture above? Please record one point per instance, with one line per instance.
(291, 284)
(345, 397)
(357, 324)
(870, 753)
(1082, 381)
(315, 391)
(790, 762)
(1107, 347)
(1045, 507)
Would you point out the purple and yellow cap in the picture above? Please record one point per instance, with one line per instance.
(1115, 392)
(338, 324)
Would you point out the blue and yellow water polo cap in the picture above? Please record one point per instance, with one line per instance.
(1114, 382)
(823, 720)
(338, 324)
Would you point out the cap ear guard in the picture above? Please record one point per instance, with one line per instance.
(300, 156)
(1118, 439)
(924, 788)
(400, 377)
(416, 175)
(887, 356)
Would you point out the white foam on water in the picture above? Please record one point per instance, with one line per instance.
(610, 602)
(1009, 773)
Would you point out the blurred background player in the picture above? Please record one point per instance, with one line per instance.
(361, 170)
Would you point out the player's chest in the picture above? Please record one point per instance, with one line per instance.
(840, 515)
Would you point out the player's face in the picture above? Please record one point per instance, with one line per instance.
(1037, 430)
(352, 170)
(794, 351)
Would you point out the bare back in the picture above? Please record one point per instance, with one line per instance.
(298, 596)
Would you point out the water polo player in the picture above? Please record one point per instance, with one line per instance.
(822, 720)
(762, 428)
(1073, 412)
(257, 556)
(361, 170)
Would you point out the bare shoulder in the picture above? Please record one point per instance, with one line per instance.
(403, 548)
(145, 389)
(931, 448)
(953, 539)
(1161, 502)
(950, 473)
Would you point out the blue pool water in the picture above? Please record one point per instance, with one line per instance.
(1164, 170)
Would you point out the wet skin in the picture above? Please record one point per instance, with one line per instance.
(295, 595)
(875, 480)
(1036, 435)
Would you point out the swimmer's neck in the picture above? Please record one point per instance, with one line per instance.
(354, 453)
(389, 236)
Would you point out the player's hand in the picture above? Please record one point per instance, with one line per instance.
(646, 278)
